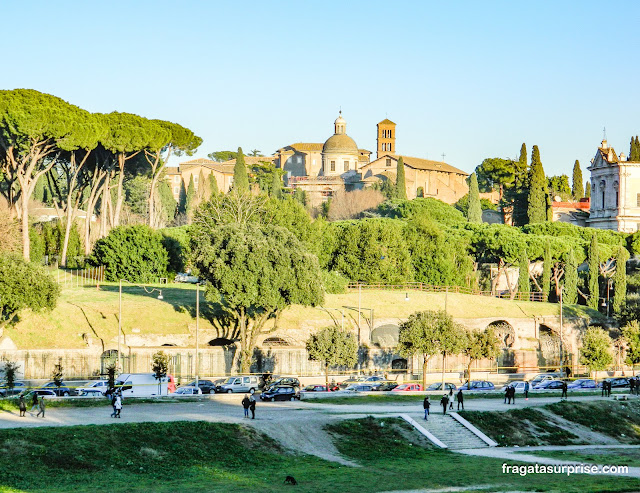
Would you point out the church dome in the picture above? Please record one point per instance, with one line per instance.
(340, 143)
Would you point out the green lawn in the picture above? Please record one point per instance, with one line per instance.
(601, 456)
(87, 311)
(198, 456)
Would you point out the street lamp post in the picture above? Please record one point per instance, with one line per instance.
(197, 330)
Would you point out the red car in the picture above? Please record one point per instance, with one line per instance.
(408, 387)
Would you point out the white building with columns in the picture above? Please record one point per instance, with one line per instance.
(615, 191)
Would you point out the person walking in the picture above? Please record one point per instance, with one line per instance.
(564, 391)
(426, 404)
(506, 393)
(117, 406)
(34, 403)
(513, 395)
(451, 398)
(113, 405)
(252, 406)
(603, 392)
(444, 402)
(526, 391)
(460, 400)
(41, 407)
(632, 384)
(22, 406)
(245, 404)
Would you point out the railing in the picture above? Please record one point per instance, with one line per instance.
(430, 288)
(79, 277)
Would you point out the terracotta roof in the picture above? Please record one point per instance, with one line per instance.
(424, 164)
(386, 121)
(307, 146)
(572, 205)
(605, 154)
(201, 160)
(252, 160)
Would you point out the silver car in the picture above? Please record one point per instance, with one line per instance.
(239, 384)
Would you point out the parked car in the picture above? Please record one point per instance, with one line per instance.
(438, 386)
(239, 384)
(62, 391)
(372, 379)
(141, 385)
(541, 377)
(186, 277)
(315, 388)
(97, 389)
(359, 387)
(18, 387)
(408, 387)
(206, 386)
(28, 394)
(549, 385)
(188, 390)
(479, 385)
(385, 386)
(280, 394)
(582, 383)
(517, 384)
(616, 382)
(349, 381)
(283, 381)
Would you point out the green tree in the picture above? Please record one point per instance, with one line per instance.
(253, 273)
(182, 199)
(134, 253)
(160, 368)
(587, 190)
(559, 185)
(429, 333)
(474, 215)
(240, 177)
(524, 287)
(577, 188)
(480, 345)
(57, 374)
(332, 347)
(168, 204)
(537, 191)
(213, 185)
(10, 373)
(595, 353)
(24, 286)
(570, 291)
(496, 174)
(546, 271)
(222, 156)
(620, 279)
(518, 195)
(634, 151)
(276, 185)
(401, 186)
(594, 273)
(203, 193)
(191, 196)
(631, 335)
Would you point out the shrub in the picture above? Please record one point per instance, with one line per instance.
(334, 282)
(435, 209)
(176, 242)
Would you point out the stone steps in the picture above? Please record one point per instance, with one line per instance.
(450, 432)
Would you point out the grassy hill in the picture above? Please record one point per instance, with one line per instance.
(87, 310)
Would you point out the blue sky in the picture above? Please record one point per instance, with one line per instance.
(467, 79)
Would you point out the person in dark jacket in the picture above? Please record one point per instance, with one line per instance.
(564, 390)
(460, 400)
(444, 402)
(252, 407)
(41, 407)
(513, 395)
(22, 406)
(426, 404)
(34, 402)
(526, 391)
(245, 404)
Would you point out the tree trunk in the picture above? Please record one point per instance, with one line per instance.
(26, 245)
(443, 365)
(119, 195)
(424, 371)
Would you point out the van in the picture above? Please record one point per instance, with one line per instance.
(239, 384)
(141, 385)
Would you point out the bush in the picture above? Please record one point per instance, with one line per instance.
(434, 209)
(176, 242)
(134, 253)
(334, 282)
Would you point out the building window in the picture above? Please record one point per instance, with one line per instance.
(176, 179)
(333, 165)
(617, 198)
(390, 148)
(346, 165)
(388, 162)
(176, 191)
(603, 198)
(390, 134)
(195, 179)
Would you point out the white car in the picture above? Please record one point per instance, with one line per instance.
(188, 390)
(518, 385)
(96, 389)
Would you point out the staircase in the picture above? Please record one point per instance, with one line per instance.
(450, 432)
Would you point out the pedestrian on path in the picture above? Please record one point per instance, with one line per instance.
(460, 400)
(22, 406)
(42, 407)
(426, 405)
(34, 403)
(603, 392)
(526, 391)
(117, 406)
(506, 393)
(252, 406)
(245, 404)
(451, 397)
(632, 384)
(564, 391)
(444, 402)
(513, 394)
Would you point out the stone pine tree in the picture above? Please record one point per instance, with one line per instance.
(213, 185)
(570, 290)
(594, 273)
(332, 347)
(401, 187)
(546, 272)
(576, 186)
(620, 279)
(587, 190)
(474, 214)
(276, 185)
(537, 190)
(240, 177)
(524, 287)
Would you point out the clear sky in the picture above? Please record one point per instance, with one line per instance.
(468, 79)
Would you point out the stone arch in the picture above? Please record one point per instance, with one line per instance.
(387, 335)
(549, 347)
(399, 364)
(220, 341)
(507, 336)
(276, 341)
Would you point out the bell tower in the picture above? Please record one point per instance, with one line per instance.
(386, 138)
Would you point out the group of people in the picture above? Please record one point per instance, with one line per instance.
(510, 394)
(36, 404)
(446, 402)
(249, 404)
(634, 385)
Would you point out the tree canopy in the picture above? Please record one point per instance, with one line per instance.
(333, 347)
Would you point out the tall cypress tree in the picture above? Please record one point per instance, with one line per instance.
(191, 196)
(474, 213)
(240, 177)
(577, 189)
(524, 286)
(519, 213)
(587, 189)
(203, 188)
(276, 185)
(570, 291)
(546, 272)
(213, 185)
(537, 190)
(620, 279)
(182, 199)
(634, 152)
(401, 187)
(594, 273)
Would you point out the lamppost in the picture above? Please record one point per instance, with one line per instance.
(149, 291)
(197, 329)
